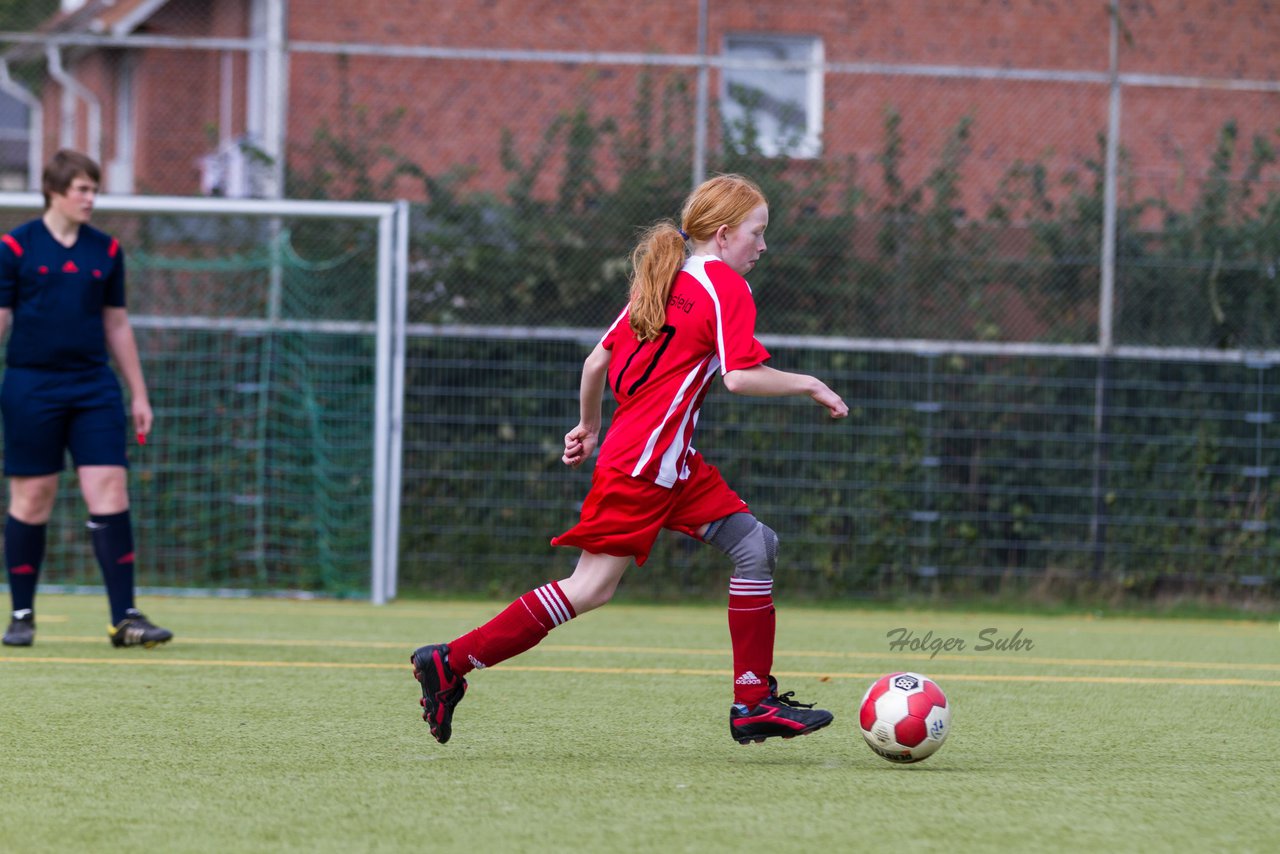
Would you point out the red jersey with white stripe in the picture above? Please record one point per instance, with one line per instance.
(660, 385)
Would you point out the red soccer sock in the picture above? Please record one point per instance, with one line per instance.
(752, 623)
(519, 628)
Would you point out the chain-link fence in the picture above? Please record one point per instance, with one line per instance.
(1036, 242)
(986, 472)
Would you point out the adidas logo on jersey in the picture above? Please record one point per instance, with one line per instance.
(748, 678)
(475, 662)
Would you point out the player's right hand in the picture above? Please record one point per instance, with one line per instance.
(579, 445)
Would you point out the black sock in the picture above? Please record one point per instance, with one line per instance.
(113, 546)
(23, 554)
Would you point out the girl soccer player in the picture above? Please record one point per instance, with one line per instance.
(690, 317)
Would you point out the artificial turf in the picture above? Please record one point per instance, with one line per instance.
(274, 725)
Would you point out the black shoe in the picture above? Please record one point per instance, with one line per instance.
(442, 689)
(22, 629)
(136, 630)
(776, 716)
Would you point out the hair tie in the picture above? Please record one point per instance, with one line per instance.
(683, 234)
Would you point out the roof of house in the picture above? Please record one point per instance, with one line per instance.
(104, 17)
(95, 17)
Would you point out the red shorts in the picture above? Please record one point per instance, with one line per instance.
(622, 515)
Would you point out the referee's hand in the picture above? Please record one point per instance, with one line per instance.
(142, 419)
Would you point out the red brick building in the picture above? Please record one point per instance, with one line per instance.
(154, 87)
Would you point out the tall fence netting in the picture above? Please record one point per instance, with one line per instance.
(945, 211)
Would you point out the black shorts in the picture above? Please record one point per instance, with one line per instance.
(47, 413)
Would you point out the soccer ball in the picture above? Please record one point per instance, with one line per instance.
(904, 717)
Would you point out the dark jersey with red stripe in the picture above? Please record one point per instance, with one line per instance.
(57, 294)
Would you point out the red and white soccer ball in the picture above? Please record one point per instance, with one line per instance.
(904, 717)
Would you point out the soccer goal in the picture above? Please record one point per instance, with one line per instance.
(272, 338)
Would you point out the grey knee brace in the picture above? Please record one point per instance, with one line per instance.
(751, 544)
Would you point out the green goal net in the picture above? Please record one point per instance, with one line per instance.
(261, 329)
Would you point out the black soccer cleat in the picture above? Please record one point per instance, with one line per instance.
(22, 629)
(442, 689)
(776, 716)
(136, 630)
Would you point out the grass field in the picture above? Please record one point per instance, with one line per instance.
(272, 725)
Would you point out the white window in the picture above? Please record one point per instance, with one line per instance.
(774, 110)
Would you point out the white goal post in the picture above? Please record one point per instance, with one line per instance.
(387, 329)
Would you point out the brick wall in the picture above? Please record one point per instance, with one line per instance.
(453, 113)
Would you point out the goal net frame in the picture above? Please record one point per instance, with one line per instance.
(387, 329)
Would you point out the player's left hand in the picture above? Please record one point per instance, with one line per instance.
(836, 407)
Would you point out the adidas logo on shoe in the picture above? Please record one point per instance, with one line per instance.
(136, 630)
(748, 678)
(775, 716)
